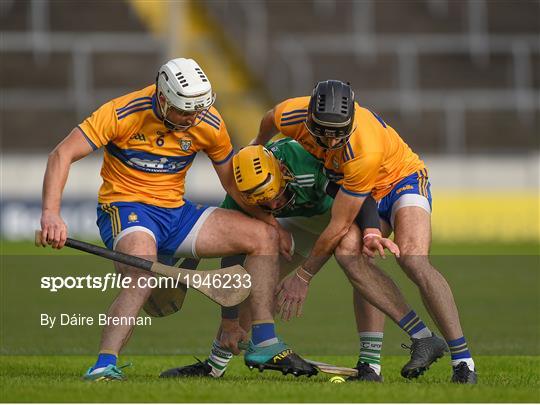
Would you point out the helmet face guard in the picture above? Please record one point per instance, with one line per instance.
(182, 89)
(290, 199)
(321, 134)
(259, 177)
(331, 113)
(166, 107)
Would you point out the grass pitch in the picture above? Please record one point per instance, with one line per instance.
(56, 379)
(498, 297)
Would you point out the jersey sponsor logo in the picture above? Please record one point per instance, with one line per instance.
(335, 163)
(149, 162)
(185, 144)
(401, 189)
(138, 137)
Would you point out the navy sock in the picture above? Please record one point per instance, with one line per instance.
(105, 359)
(459, 351)
(263, 333)
(413, 325)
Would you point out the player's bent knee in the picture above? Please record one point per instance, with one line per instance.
(350, 245)
(417, 268)
(265, 240)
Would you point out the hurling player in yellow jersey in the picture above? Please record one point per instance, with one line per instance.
(367, 157)
(150, 138)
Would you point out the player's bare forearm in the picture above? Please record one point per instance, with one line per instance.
(292, 291)
(344, 211)
(54, 181)
(71, 149)
(324, 248)
(267, 129)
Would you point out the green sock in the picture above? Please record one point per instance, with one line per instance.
(370, 349)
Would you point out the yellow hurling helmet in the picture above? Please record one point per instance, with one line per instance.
(258, 174)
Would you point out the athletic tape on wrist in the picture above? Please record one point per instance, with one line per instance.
(301, 278)
(308, 274)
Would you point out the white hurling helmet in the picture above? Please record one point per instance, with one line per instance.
(185, 87)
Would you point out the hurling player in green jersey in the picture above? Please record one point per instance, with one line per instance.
(305, 192)
(287, 181)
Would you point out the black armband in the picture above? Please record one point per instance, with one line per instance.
(332, 189)
(229, 312)
(368, 217)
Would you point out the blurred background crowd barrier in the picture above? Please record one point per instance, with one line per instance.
(458, 79)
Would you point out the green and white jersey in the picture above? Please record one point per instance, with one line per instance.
(309, 182)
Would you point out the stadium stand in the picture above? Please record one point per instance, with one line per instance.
(459, 80)
(456, 76)
(57, 67)
(449, 75)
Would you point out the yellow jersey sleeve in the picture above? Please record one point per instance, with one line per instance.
(101, 127)
(360, 174)
(220, 150)
(290, 115)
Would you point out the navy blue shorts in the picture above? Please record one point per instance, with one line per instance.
(412, 191)
(173, 229)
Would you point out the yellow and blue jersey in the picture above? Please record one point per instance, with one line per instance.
(144, 161)
(372, 162)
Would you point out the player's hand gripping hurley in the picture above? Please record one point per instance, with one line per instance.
(226, 297)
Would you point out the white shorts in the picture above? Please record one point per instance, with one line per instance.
(305, 231)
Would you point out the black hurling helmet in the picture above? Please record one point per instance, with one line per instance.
(331, 113)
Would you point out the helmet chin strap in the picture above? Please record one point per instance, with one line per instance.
(163, 113)
(338, 145)
(175, 127)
